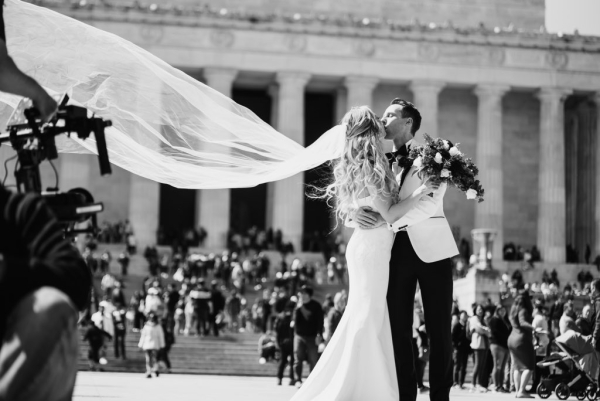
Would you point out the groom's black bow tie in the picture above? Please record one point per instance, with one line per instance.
(397, 155)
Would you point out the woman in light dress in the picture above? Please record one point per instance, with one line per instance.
(358, 362)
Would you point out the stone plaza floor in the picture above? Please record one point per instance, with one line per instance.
(102, 386)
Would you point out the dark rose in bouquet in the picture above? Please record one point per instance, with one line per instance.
(440, 159)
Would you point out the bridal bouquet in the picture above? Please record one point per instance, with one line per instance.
(441, 159)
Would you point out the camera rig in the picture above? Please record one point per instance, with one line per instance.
(34, 142)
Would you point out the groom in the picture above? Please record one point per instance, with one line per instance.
(421, 254)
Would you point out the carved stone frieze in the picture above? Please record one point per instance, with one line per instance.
(222, 38)
(557, 59)
(496, 56)
(152, 33)
(429, 51)
(296, 43)
(365, 48)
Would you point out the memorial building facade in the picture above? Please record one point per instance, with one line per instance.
(485, 74)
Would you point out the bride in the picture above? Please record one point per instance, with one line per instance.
(358, 363)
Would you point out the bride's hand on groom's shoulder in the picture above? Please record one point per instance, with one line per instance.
(367, 218)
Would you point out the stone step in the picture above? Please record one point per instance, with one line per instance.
(231, 355)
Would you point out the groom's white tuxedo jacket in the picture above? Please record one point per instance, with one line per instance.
(426, 224)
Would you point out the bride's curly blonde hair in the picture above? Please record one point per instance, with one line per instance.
(363, 163)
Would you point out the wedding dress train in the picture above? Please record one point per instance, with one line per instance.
(358, 363)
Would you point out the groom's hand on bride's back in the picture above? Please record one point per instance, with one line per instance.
(367, 218)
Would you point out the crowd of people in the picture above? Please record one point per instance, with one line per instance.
(190, 294)
(513, 253)
(201, 295)
(507, 344)
(549, 286)
(120, 232)
(298, 329)
(181, 240)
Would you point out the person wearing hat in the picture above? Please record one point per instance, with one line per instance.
(153, 302)
(103, 320)
(308, 330)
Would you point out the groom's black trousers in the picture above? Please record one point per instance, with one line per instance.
(435, 282)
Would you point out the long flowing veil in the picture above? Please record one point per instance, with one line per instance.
(167, 126)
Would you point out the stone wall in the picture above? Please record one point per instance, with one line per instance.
(521, 13)
(520, 124)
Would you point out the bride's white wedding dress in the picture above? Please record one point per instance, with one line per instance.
(358, 363)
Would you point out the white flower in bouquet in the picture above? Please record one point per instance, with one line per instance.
(438, 158)
(418, 162)
(454, 151)
(446, 144)
(471, 194)
(445, 173)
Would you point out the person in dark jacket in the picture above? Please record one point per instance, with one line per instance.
(285, 341)
(499, 332)
(163, 353)
(308, 330)
(120, 330)
(583, 322)
(117, 296)
(218, 305)
(462, 349)
(95, 337)
(520, 342)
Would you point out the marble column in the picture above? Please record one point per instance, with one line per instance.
(425, 95)
(273, 92)
(213, 205)
(288, 194)
(144, 203)
(584, 222)
(596, 251)
(341, 103)
(359, 91)
(489, 214)
(551, 236)
(144, 194)
(74, 171)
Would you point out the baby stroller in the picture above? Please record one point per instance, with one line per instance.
(578, 364)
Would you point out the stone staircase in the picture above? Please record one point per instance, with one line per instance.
(230, 354)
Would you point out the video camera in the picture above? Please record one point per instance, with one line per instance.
(34, 142)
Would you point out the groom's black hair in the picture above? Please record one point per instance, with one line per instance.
(409, 111)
